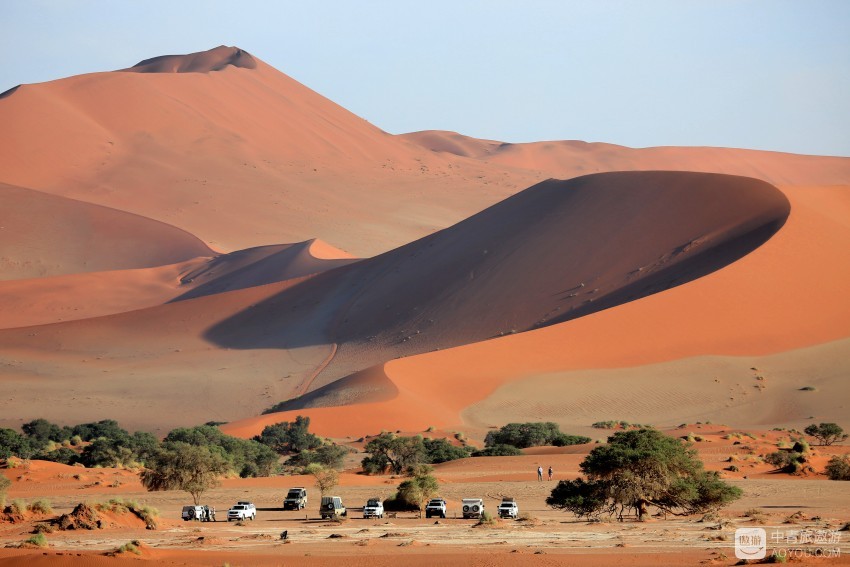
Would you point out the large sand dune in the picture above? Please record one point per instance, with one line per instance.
(143, 212)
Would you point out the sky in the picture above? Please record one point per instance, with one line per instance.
(761, 74)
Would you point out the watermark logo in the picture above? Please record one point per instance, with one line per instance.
(750, 543)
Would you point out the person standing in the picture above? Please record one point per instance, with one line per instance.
(550, 472)
(540, 473)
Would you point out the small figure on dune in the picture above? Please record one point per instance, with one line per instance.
(540, 473)
(550, 472)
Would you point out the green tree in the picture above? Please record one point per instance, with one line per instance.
(638, 469)
(329, 455)
(398, 454)
(42, 432)
(181, 466)
(14, 444)
(325, 478)
(285, 438)
(247, 457)
(826, 433)
(418, 490)
(441, 450)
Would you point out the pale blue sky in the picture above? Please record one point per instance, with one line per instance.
(766, 74)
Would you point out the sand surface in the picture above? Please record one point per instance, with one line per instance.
(200, 237)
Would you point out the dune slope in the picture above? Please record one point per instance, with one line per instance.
(552, 253)
(46, 235)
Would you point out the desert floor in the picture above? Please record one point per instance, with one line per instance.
(543, 536)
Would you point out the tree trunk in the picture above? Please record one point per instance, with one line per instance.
(643, 510)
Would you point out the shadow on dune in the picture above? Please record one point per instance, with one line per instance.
(554, 252)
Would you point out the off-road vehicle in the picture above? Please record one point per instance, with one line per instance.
(374, 508)
(332, 507)
(508, 508)
(296, 499)
(242, 510)
(435, 507)
(473, 507)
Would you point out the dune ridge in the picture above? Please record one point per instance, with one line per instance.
(214, 59)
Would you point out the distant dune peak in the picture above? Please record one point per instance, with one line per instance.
(214, 59)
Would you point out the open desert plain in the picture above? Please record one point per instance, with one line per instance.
(201, 239)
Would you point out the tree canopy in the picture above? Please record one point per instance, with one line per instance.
(638, 469)
(826, 433)
(181, 466)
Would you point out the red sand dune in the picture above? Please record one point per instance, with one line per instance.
(228, 149)
(45, 235)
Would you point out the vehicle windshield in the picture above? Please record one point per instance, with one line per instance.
(294, 494)
(373, 502)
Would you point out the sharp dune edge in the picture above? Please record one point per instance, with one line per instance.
(166, 252)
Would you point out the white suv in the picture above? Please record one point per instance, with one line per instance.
(242, 511)
(508, 508)
(374, 508)
(435, 507)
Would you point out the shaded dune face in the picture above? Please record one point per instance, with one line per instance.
(552, 253)
(47, 235)
(201, 62)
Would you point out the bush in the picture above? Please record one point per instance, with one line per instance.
(40, 506)
(838, 468)
(499, 450)
(37, 540)
(564, 440)
(531, 434)
(441, 451)
(790, 462)
(5, 483)
(486, 519)
(130, 547)
(247, 457)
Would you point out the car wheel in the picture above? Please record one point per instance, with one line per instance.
(466, 508)
(475, 508)
(443, 516)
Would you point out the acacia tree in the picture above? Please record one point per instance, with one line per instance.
(388, 451)
(181, 466)
(419, 489)
(325, 477)
(638, 469)
(826, 433)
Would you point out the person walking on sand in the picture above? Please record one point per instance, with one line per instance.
(540, 473)
(550, 472)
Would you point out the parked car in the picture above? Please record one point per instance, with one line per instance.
(296, 499)
(374, 508)
(435, 507)
(508, 508)
(332, 507)
(242, 510)
(190, 513)
(473, 507)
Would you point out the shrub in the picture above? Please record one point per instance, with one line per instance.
(5, 483)
(790, 462)
(826, 433)
(130, 547)
(498, 450)
(441, 451)
(37, 540)
(838, 468)
(486, 519)
(40, 506)
(531, 434)
(391, 452)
